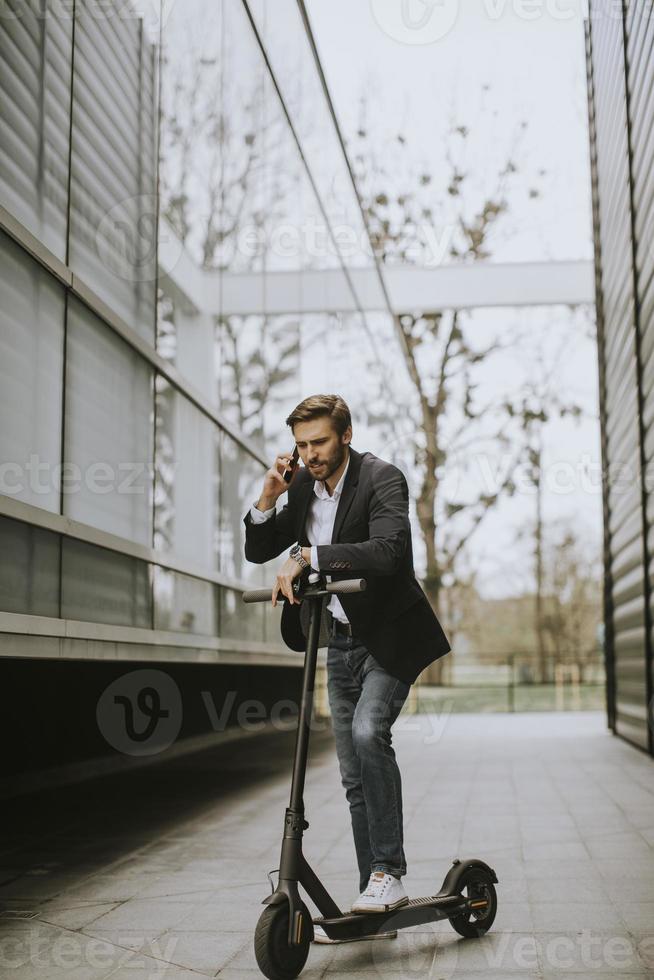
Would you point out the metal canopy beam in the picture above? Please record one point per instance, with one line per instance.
(410, 289)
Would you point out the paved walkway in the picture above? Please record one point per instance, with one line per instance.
(160, 873)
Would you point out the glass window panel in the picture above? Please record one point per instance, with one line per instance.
(292, 61)
(238, 620)
(242, 479)
(31, 379)
(259, 372)
(243, 215)
(35, 78)
(194, 129)
(187, 479)
(187, 338)
(29, 569)
(211, 152)
(108, 431)
(102, 586)
(113, 160)
(184, 603)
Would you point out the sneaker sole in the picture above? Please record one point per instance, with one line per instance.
(366, 909)
(326, 941)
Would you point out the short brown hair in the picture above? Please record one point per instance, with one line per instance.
(316, 405)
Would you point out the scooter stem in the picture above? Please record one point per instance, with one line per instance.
(306, 705)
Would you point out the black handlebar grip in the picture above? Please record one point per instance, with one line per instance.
(347, 585)
(259, 595)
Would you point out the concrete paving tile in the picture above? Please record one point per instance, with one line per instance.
(538, 868)
(439, 952)
(641, 865)
(630, 889)
(411, 954)
(513, 917)
(592, 950)
(628, 844)
(145, 968)
(182, 885)
(31, 886)
(494, 975)
(600, 975)
(134, 939)
(546, 890)
(75, 918)
(559, 850)
(40, 955)
(221, 913)
(148, 913)
(641, 817)
(106, 888)
(638, 916)
(207, 952)
(561, 916)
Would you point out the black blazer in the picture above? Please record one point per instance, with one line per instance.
(372, 540)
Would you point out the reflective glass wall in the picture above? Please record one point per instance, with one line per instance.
(152, 167)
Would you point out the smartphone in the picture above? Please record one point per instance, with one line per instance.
(290, 470)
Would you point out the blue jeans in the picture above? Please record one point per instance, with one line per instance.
(365, 701)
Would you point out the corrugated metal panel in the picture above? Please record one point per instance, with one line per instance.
(619, 365)
(35, 78)
(113, 162)
(640, 73)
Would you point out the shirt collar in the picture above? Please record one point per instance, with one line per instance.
(320, 489)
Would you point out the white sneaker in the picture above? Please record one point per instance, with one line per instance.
(384, 892)
(320, 936)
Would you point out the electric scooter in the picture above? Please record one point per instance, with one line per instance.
(284, 932)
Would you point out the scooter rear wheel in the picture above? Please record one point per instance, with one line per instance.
(476, 883)
(277, 960)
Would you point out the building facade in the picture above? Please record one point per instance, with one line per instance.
(146, 163)
(619, 40)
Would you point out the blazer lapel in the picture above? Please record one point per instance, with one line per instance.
(305, 496)
(348, 494)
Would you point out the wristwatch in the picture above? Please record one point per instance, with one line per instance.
(296, 554)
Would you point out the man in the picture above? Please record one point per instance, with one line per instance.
(348, 516)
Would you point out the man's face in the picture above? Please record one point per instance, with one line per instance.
(322, 450)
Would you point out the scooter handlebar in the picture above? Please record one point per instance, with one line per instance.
(345, 586)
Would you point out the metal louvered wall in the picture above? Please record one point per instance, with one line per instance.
(621, 101)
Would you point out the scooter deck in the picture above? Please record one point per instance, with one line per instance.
(416, 912)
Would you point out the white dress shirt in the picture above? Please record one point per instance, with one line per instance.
(320, 527)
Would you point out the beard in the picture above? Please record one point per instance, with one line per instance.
(331, 464)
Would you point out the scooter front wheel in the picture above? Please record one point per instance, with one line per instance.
(476, 884)
(277, 960)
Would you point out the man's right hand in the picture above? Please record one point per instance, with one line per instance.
(274, 484)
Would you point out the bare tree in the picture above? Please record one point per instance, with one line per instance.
(571, 605)
(542, 401)
(439, 358)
